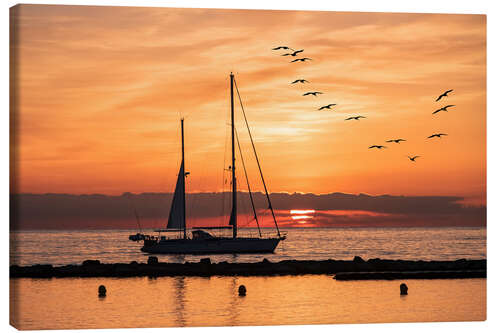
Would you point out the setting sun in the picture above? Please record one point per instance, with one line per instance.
(305, 211)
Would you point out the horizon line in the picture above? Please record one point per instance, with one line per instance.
(245, 192)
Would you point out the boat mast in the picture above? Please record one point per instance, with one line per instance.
(183, 182)
(233, 170)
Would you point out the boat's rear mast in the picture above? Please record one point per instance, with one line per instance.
(234, 211)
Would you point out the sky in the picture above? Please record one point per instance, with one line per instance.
(99, 93)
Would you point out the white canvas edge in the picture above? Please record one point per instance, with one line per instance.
(491, 8)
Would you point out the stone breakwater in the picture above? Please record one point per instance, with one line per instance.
(356, 269)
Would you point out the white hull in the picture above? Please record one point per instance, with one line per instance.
(212, 246)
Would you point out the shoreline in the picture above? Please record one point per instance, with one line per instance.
(356, 269)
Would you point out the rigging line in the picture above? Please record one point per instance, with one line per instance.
(248, 183)
(257, 159)
(160, 221)
(135, 212)
(224, 173)
(224, 181)
(138, 221)
(244, 204)
(194, 198)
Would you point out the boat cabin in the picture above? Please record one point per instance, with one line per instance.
(200, 234)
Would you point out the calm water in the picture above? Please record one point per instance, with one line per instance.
(195, 301)
(72, 247)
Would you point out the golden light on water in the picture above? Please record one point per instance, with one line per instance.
(213, 301)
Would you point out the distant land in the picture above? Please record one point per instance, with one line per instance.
(98, 211)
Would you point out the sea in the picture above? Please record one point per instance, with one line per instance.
(64, 303)
(64, 247)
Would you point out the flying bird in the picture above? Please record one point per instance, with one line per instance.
(299, 80)
(355, 118)
(326, 107)
(444, 94)
(396, 140)
(413, 158)
(314, 93)
(301, 59)
(444, 108)
(377, 146)
(293, 54)
(282, 48)
(438, 135)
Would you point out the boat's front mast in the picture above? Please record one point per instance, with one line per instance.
(184, 181)
(234, 213)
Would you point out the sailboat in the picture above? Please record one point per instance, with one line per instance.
(202, 242)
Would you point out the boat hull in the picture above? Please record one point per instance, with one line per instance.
(212, 246)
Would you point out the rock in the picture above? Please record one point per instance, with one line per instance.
(242, 290)
(134, 263)
(205, 261)
(358, 260)
(91, 263)
(152, 260)
(265, 261)
(403, 288)
(374, 260)
(385, 269)
(102, 291)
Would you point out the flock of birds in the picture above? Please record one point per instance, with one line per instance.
(294, 53)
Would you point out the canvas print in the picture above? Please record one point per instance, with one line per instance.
(177, 167)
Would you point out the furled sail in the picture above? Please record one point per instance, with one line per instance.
(176, 219)
(232, 218)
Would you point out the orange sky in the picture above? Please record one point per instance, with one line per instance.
(100, 91)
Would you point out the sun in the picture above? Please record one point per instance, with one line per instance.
(302, 211)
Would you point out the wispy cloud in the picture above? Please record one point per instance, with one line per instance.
(102, 89)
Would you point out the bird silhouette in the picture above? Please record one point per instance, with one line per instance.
(444, 108)
(444, 94)
(396, 140)
(355, 118)
(301, 59)
(283, 48)
(413, 158)
(299, 80)
(314, 93)
(326, 107)
(377, 146)
(438, 135)
(293, 54)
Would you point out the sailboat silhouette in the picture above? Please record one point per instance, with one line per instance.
(201, 241)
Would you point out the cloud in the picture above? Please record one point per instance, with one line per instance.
(65, 211)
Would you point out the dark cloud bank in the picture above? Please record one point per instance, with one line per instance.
(67, 211)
